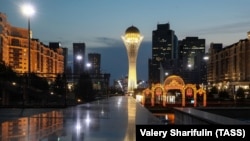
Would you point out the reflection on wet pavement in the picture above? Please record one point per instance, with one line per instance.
(112, 119)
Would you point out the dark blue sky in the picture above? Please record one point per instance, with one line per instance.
(101, 23)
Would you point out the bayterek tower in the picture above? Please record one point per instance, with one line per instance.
(132, 40)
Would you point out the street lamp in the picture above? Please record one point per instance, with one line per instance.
(88, 65)
(28, 10)
(79, 59)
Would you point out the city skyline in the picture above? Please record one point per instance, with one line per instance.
(100, 25)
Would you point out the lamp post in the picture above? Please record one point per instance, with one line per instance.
(28, 11)
(106, 81)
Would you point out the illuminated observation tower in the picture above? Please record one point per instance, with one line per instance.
(132, 40)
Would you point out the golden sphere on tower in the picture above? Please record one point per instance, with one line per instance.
(132, 29)
(132, 34)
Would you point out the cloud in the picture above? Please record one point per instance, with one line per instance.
(100, 42)
(236, 27)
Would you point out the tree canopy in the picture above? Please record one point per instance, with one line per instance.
(84, 88)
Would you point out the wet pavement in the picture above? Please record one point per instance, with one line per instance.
(112, 119)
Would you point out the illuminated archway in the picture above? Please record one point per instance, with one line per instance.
(146, 95)
(190, 91)
(174, 82)
(158, 94)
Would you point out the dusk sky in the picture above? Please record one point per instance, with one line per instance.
(101, 23)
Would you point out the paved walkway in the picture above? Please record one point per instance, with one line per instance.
(112, 119)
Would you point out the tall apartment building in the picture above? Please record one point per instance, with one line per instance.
(95, 60)
(191, 54)
(78, 58)
(229, 67)
(44, 61)
(212, 61)
(164, 53)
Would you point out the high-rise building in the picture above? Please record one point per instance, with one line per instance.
(164, 53)
(95, 60)
(78, 58)
(44, 61)
(132, 40)
(190, 47)
(191, 54)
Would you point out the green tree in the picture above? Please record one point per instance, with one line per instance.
(84, 88)
(223, 95)
(35, 89)
(6, 73)
(37, 82)
(8, 91)
(59, 86)
(214, 90)
(240, 93)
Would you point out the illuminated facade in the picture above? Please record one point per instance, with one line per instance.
(132, 40)
(44, 61)
(229, 67)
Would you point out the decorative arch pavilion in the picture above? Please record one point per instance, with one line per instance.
(158, 92)
(174, 82)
